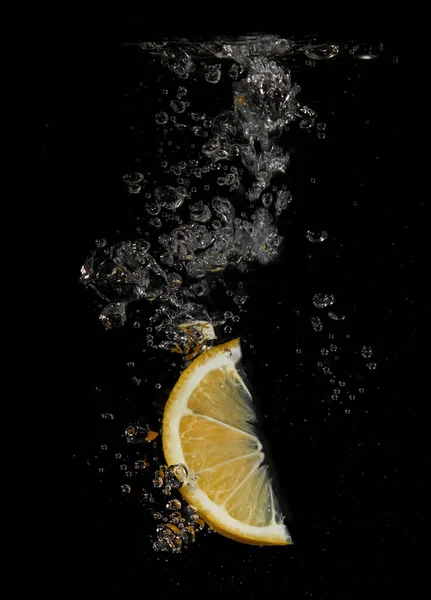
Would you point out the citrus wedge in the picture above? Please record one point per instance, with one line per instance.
(208, 428)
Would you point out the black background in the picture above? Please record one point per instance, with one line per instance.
(351, 480)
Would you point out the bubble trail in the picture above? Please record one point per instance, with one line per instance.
(174, 270)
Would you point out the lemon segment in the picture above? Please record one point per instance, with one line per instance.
(208, 428)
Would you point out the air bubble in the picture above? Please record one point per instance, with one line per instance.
(176, 475)
(322, 52)
(323, 300)
(336, 316)
(161, 118)
(155, 222)
(366, 351)
(141, 465)
(213, 73)
(316, 237)
(174, 505)
(316, 323)
(178, 106)
(188, 534)
(113, 315)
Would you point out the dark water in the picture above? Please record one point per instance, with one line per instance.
(336, 440)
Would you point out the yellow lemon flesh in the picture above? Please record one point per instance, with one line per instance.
(208, 428)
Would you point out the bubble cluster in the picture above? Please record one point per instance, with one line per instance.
(182, 521)
(198, 235)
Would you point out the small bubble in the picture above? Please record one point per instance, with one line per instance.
(125, 488)
(316, 237)
(198, 523)
(213, 73)
(336, 316)
(173, 504)
(267, 199)
(140, 465)
(188, 534)
(322, 52)
(103, 447)
(136, 325)
(240, 299)
(178, 106)
(107, 416)
(133, 178)
(316, 323)
(323, 300)
(227, 352)
(136, 381)
(113, 315)
(372, 366)
(101, 243)
(153, 208)
(134, 189)
(130, 364)
(367, 351)
(161, 117)
(158, 386)
(176, 474)
(228, 329)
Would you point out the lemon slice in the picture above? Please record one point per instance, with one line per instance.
(208, 428)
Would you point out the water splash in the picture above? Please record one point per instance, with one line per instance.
(211, 235)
